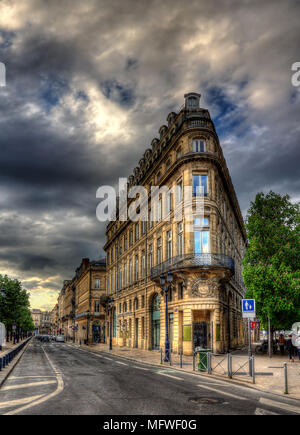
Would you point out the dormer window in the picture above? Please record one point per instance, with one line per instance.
(199, 146)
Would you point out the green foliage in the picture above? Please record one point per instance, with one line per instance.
(15, 305)
(271, 265)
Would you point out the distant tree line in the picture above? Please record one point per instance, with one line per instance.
(14, 308)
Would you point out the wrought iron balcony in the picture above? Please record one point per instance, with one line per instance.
(192, 261)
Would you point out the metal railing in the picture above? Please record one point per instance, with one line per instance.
(9, 356)
(192, 260)
(231, 365)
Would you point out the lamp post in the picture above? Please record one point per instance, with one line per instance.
(3, 294)
(87, 326)
(110, 306)
(164, 292)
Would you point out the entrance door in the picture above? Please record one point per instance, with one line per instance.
(156, 322)
(200, 335)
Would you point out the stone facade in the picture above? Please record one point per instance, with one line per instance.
(80, 316)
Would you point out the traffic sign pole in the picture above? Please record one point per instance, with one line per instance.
(249, 335)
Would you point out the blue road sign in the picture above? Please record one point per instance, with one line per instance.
(248, 305)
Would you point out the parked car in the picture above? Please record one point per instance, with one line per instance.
(60, 338)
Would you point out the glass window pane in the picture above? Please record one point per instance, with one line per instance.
(205, 242)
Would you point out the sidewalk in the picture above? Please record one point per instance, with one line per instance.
(269, 372)
(10, 346)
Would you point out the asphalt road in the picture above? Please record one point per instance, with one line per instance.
(58, 378)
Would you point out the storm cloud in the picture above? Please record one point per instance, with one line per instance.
(90, 83)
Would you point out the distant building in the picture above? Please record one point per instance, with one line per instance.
(42, 321)
(81, 317)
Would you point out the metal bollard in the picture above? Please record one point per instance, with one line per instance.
(209, 363)
(161, 356)
(193, 361)
(253, 369)
(286, 388)
(180, 358)
(0, 364)
(170, 357)
(229, 368)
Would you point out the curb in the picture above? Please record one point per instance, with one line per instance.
(12, 365)
(205, 375)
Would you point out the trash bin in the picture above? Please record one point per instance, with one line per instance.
(202, 359)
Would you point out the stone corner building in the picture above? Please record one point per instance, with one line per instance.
(204, 305)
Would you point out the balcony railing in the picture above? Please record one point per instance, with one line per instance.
(192, 261)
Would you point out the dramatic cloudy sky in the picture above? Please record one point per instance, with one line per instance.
(90, 82)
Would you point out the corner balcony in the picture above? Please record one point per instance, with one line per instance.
(193, 261)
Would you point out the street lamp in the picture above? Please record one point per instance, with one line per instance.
(164, 292)
(110, 306)
(87, 326)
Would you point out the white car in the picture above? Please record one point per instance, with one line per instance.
(60, 338)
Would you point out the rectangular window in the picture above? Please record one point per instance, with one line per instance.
(180, 238)
(143, 264)
(158, 256)
(120, 279)
(169, 245)
(151, 218)
(143, 301)
(150, 257)
(130, 238)
(144, 227)
(136, 232)
(201, 236)
(125, 243)
(200, 185)
(159, 210)
(136, 268)
(143, 328)
(179, 192)
(199, 146)
(180, 290)
(169, 203)
(125, 274)
(130, 271)
(97, 307)
(97, 283)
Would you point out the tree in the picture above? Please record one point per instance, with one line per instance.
(15, 305)
(271, 269)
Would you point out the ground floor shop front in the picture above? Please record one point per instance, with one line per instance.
(210, 320)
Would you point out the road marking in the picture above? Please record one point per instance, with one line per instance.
(221, 392)
(260, 411)
(31, 384)
(22, 377)
(119, 362)
(141, 368)
(105, 357)
(59, 389)
(170, 376)
(281, 405)
(19, 401)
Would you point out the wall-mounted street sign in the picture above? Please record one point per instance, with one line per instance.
(248, 306)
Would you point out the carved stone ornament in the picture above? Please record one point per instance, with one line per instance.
(201, 287)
